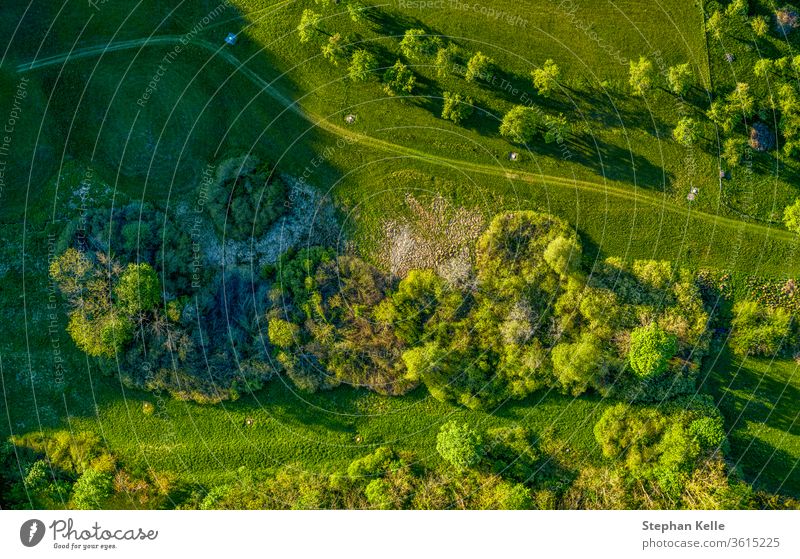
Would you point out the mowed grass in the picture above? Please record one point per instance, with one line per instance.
(759, 399)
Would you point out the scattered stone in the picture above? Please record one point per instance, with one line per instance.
(513, 156)
(350, 119)
(729, 57)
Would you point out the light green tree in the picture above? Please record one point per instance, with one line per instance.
(456, 107)
(362, 64)
(791, 217)
(520, 124)
(459, 445)
(546, 77)
(642, 76)
(307, 28)
(478, 67)
(651, 349)
(686, 132)
(680, 78)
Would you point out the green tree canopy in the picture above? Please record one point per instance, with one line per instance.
(651, 349)
(459, 445)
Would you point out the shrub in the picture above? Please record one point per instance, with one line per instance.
(459, 445)
(138, 289)
(416, 43)
(680, 78)
(578, 365)
(546, 77)
(642, 76)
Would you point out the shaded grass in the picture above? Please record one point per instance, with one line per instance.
(758, 398)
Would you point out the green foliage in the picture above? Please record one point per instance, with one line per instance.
(70, 271)
(578, 365)
(362, 65)
(732, 151)
(416, 44)
(445, 60)
(459, 445)
(308, 26)
(563, 255)
(642, 76)
(246, 201)
(335, 50)
(456, 107)
(680, 78)
(399, 79)
(715, 25)
(760, 26)
(282, 334)
(758, 330)
(478, 67)
(92, 489)
(686, 132)
(372, 465)
(520, 124)
(556, 128)
(651, 350)
(546, 77)
(791, 217)
(138, 289)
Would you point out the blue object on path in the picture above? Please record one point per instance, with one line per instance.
(231, 39)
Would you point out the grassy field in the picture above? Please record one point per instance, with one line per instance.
(758, 398)
(623, 188)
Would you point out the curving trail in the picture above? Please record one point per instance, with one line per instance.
(531, 178)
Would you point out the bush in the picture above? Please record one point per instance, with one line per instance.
(399, 79)
(362, 65)
(459, 445)
(791, 217)
(138, 289)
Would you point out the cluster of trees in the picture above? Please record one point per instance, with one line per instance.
(245, 199)
(143, 296)
(63, 469)
(530, 319)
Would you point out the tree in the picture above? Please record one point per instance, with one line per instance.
(138, 289)
(459, 445)
(307, 28)
(555, 128)
(680, 78)
(563, 255)
(737, 8)
(362, 65)
(578, 365)
(641, 76)
(791, 217)
(686, 132)
(546, 77)
(334, 50)
(445, 60)
(91, 489)
(651, 349)
(478, 67)
(399, 79)
(416, 44)
(456, 107)
(757, 329)
(763, 67)
(520, 124)
(715, 25)
(741, 101)
(357, 10)
(70, 271)
(760, 26)
(732, 151)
